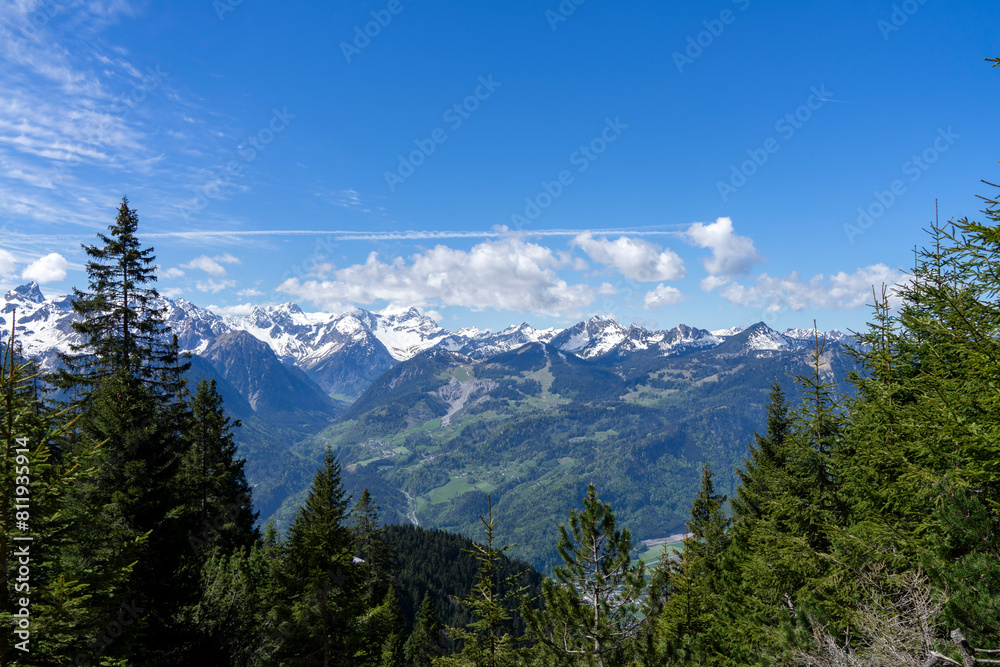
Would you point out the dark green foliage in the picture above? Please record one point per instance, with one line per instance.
(487, 640)
(692, 588)
(122, 323)
(592, 608)
(426, 641)
(69, 602)
(320, 579)
(443, 565)
(214, 477)
(369, 541)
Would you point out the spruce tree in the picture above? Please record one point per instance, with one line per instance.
(121, 321)
(766, 455)
(689, 620)
(370, 546)
(424, 644)
(127, 379)
(487, 640)
(219, 497)
(592, 609)
(39, 521)
(321, 576)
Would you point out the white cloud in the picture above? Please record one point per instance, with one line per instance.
(7, 263)
(48, 269)
(238, 310)
(662, 296)
(839, 291)
(709, 283)
(249, 292)
(508, 274)
(634, 258)
(172, 272)
(321, 270)
(607, 289)
(211, 265)
(171, 292)
(214, 285)
(732, 255)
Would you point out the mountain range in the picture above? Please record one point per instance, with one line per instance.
(343, 353)
(432, 420)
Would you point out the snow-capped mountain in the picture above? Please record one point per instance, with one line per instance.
(43, 326)
(593, 338)
(479, 344)
(345, 352)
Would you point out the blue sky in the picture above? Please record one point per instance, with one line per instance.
(493, 163)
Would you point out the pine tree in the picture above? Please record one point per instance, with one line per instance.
(688, 621)
(488, 641)
(213, 476)
(321, 577)
(424, 644)
(591, 610)
(123, 327)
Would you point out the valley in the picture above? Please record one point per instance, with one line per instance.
(526, 417)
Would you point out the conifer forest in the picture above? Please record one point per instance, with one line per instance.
(860, 526)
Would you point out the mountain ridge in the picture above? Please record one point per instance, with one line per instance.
(344, 353)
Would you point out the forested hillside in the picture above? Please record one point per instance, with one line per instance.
(533, 426)
(861, 528)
